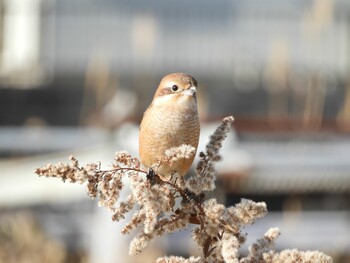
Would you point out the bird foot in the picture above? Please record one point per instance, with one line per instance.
(199, 198)
(152, 176)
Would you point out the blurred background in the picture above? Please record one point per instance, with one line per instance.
(76, 76)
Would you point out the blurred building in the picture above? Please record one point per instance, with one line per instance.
(277, 59)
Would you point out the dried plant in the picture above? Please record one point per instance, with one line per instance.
(153, 201)
(22, 241)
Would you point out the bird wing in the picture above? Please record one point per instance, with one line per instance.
(144, 115)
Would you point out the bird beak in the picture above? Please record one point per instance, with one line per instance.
(191, 91)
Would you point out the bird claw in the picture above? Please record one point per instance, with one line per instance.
(153, 177)
(198, 198)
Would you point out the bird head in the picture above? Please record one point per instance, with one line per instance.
(176, 87)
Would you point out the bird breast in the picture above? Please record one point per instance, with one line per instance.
(168, 123)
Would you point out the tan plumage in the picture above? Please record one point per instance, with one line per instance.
(170, 121)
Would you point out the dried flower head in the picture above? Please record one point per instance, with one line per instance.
(182, 152)
(205, 177)
(153, 200)
(174, 259)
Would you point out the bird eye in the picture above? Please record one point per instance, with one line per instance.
(174, 88)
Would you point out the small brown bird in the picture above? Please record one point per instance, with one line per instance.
(170, 121)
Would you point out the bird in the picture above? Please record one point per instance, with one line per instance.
(171, 120)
